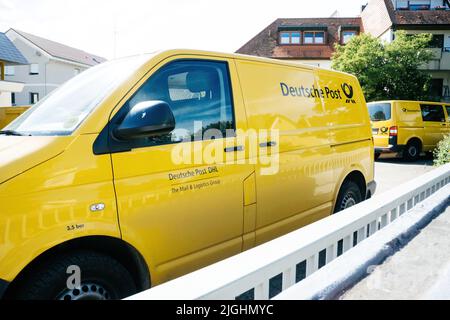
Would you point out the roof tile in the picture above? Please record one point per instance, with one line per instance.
(9, 52)
(266, 44)
(62, 51)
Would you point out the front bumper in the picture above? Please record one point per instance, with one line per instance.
(3, 286)
(370, 189)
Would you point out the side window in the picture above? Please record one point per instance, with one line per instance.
(448, 112)
(432, 113)
(199, 94)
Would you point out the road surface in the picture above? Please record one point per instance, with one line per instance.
(420, 270)
(390, 173)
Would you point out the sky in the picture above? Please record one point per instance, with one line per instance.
(117, 28)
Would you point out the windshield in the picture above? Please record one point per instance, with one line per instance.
(379, 111)
(62, 111)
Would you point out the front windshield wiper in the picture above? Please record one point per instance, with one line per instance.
(13, 133)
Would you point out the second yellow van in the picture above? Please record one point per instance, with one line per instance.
(8, 114)
(143, 169)
(408, 128)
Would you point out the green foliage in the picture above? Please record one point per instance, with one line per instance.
(387, 71)
(442, 152)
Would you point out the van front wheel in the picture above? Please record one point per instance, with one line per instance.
(412, 151)
(100, 278)
(349, 195)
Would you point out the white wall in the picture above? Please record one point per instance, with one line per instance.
(52, 72)
(5, 99)
(387, 36)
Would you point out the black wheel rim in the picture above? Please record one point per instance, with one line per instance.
(348, 201)
(86, 291)
(412, 151)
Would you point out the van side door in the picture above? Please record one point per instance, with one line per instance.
(179, 203)
(434, 125)
(293, 173)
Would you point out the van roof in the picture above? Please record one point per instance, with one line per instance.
(408, 101)
(172, 52)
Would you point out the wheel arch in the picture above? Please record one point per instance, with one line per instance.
(116, 248)
(418, 139)
(356, 176)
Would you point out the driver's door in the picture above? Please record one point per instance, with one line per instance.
(177, 207)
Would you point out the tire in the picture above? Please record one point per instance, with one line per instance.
(349, 195)
(377, 155)
(102, 278)
(412, 151)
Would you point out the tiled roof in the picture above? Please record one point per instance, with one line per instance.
(9, 52)
(266, 44)
(430, 17)
(414, 17)
(62, 51)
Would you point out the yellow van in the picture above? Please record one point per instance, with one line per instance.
(8, 114)
(107, 186)
(408, 128)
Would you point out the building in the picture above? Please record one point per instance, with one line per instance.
(312, 40)
(9, 57)
(50, 65)
(382, 18)
(305, 40)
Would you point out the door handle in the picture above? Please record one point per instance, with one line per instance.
(234, 149)
(268, 144)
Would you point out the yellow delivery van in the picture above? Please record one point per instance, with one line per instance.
(143, 169)
(8, 114)
(408, 128)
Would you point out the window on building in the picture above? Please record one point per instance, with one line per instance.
(347, 35)
(295, 37)
(436, 89)
(34, 97)
(437, 41)
(34, 68)
(433, 113)
(308, 38)
(10, 71)
(314, 37)
(419, 4)
(285, 38)
(290, 37)
(401, 4)
(13, 98)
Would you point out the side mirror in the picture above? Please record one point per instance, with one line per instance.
(146, 119)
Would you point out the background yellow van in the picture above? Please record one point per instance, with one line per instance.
(91, 182)
(8, 114)
(408, 128)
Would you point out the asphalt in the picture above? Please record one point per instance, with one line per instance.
(420, 270)
(390, 173)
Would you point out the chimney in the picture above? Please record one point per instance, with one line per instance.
(363, 7)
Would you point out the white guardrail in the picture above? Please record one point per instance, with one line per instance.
(264, 271)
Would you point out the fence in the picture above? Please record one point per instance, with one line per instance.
(265, 271)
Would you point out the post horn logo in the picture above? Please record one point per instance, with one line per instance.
(348, 91)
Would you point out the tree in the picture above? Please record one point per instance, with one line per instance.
(387, 71)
